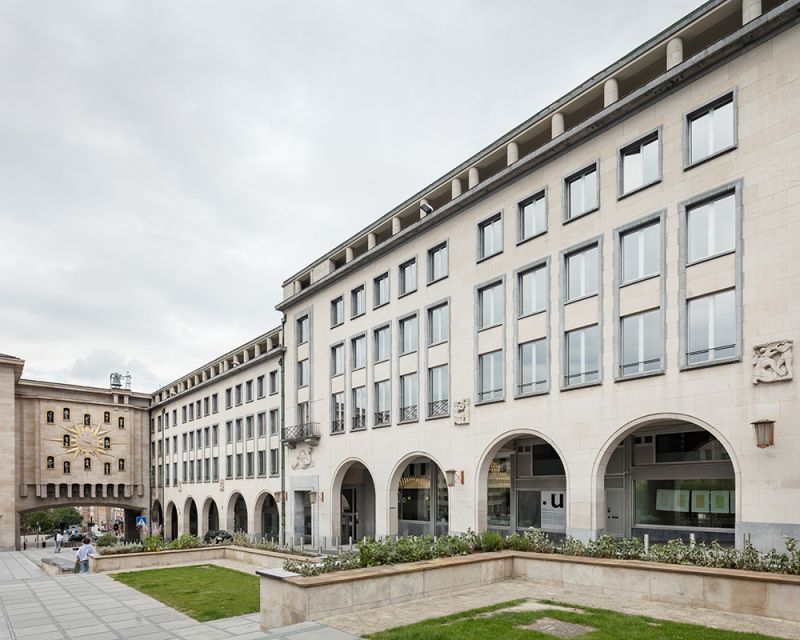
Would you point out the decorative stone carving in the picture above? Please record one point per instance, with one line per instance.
(303, 459)
(222, 484)
(461, 411)
(772, 362)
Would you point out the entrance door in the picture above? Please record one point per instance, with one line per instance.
(349, 515)
(615, 504)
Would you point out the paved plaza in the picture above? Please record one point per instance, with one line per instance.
(36, 605)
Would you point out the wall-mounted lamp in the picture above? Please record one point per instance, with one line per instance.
(312, 497)
(454, 476)
(764, 431)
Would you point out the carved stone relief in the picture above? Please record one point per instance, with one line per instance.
(461, 411)
(772, 362)
(303, 459)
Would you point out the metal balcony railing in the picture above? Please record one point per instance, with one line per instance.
(337, 426)
(438, 408)
(302, 432)
(382, 418)
(359, 422)
(530, 387)
(490, 394)
(410, 412)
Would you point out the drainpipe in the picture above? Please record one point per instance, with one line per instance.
(149, 472)
(282, 364)
(163, 464)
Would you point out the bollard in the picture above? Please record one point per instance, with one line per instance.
(691, 540)
(647, 543)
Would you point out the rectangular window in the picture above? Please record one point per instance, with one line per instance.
(205, 407)
(302, 330)
(437, 262)
(303, 415)
(490, 305)
(438, 324)
(533, 374)
(337, 360)
(358, 301)
(408, 277)
(337, 311)
(249, 460)
(582, 192)
(532, 216)
(409, 398)
(262, 463)
(582, 272)
(238, 394)
(641, 252)
(214, 403)
(438, 391)
(490, 236)
(640, 164)
(215, 469)
(228, 399)
(207, 436)
(302, 373)
(490, 375)
(711, 129)
(249, 427)
(191, 411)
(175, 417)
(712, 327)
(214, 435)
(239, 465)
(532, 285)
(229, 467)
(583, 356)
(359, 348)
(686, 503)
(359, 407)
(380, 288)
(337, 412)
(229, 432)
(185, 448)
(191, 440)
(238, 429)
(383, 403)
(274, 468)
(408, 334)
(183, 414)
(711, 228)
(273, 382)
(197, 410)
(273, 422)
(248, 389)
(383, 344)
(261, 390)
(641, 343)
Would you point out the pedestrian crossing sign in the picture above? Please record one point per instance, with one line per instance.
(141, 521)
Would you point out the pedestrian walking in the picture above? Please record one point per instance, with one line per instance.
(59, 540)
(83, 553)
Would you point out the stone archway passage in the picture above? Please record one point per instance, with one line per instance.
(173, 525)
(270, 518)
(213, 517)
(422, 499)
(192, 514)
(356, 504)
(240, 515)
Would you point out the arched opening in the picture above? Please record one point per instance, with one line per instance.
(522, 485)
(667, 477)
(269, 521)
(171, 524)
(157, 517)
(110, 491)
(190, 515)
(210, 515)
(51, 490)
(422, 498)
(87, 491)
(353, 505)
(237, 513)
(62, 490)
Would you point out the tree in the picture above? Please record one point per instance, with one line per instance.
(50, 519)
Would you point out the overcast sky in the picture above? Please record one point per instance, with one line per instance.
(165, 165)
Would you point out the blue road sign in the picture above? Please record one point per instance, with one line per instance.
(141, 521)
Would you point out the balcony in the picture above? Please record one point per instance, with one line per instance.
(337, 426)
(438, 408)
(306, 432)
(382, 418)
(410, 412)
(359, 422)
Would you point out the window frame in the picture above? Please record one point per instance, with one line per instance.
(401, 291)
(375, 332)
(353, 292)
(429, 342)
(655, 134)
(334, 371)
(400, 346)
(543, 263)
(596, 242)
(732, 95)
(334, 323)
(497, 216)
(429, 395)
(659, 218)
(479, 400)
(444, 245)
(353, 366)
(376, 304)
(574, 177)
(479, 289)
(540, 194)
(518, 392)
(565, 374)
(683, 301)
(400, 398)
(302, 329)
(736, 225)
(619, 360)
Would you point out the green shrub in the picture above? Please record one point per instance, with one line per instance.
(153, 543)
(185, 541)
(106, 540)
(217, 536)
(119, 549)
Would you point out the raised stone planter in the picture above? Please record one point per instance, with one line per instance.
(155, 559)
(287, 598)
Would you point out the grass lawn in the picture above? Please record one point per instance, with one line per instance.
(204, 592)
(505, 625)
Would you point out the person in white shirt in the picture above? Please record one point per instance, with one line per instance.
(83, 553)
(59, 540)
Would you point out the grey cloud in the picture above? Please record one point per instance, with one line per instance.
(161, 163)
